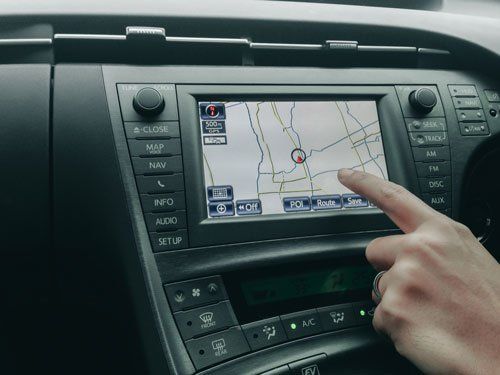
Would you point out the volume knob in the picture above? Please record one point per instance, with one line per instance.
(423, 100)
(148, 102)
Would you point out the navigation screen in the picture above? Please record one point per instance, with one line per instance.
(279, 157)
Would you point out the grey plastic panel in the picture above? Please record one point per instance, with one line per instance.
(24, 155)
(92, 220)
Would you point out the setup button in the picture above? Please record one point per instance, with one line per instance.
(249, 207)
(296, 204)
(219, 209)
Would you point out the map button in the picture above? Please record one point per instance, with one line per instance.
(326, 202)
(249, 207)
(220, 193)
(218, 209)
(296, 204)
(354, 201)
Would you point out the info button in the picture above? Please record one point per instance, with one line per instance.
(296, 204)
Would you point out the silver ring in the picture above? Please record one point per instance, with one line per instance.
(375, 288)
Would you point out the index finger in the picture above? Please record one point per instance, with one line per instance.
(406, 210)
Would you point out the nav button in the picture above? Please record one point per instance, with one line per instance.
(249, 207)
(296, 204)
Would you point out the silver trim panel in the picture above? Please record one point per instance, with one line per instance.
(26, 42)
(89, 37)
(282, 46)
(387, 49)
(330, 45)
(186, 39)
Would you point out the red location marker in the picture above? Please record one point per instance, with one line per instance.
(298, 155)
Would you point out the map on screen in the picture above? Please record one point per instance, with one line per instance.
(278, 157)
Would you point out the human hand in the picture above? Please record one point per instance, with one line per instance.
(440, 301)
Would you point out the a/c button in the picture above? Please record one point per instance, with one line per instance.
(301, 324)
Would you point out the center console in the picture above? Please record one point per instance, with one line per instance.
(250, 246)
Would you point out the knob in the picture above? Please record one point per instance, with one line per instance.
(423, 100)
(148, 102)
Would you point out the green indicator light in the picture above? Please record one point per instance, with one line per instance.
(293, 326)
(362, 312)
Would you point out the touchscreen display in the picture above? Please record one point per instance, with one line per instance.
(279, 157)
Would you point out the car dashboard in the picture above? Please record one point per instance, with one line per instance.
(170, 202)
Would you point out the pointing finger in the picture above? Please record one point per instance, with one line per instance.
(406, 210)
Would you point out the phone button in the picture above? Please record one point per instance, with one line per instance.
(160, 184)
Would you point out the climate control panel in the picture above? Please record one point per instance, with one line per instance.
(212, 333)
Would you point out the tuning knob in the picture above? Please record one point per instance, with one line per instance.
(423, 100)
(148, 102)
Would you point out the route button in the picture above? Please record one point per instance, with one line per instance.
(219, 209)
(296, 204)
(249, 207)
(326, 202)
